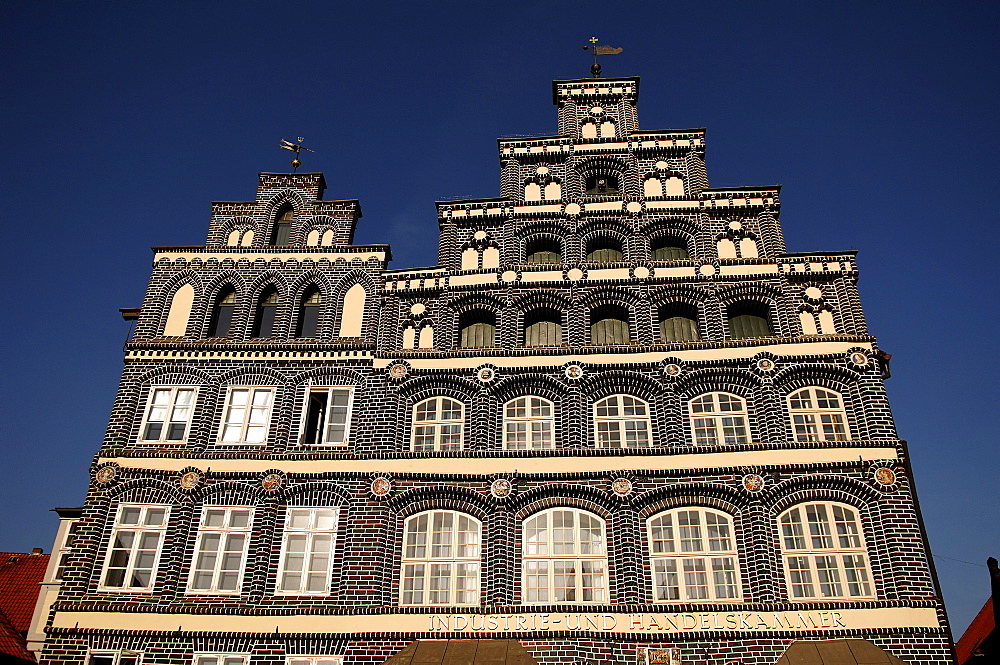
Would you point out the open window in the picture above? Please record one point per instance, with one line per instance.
(328, 417)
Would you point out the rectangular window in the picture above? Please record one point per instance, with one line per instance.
(66, 549)
(307, 550)
(247, 415)
(314, 660)
(136, 541)
(221, 551)
(220, 659)
(168, 414)
(328, 417)
(114, 658)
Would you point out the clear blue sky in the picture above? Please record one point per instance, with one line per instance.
(125, 119)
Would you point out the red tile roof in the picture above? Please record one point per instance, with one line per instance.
(976, 634)
(20, 577)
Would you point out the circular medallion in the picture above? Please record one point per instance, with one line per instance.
(418, 308)
(672, 369)
(542, 170)
(573, 371)
(572, 209)
(597, 110)
(641, 272)
(479, 235)
(633, 206)
(813, 293)
(105, 475)
(753, 482)
(765, 364)
(501, 488)
(485, 374)
(707, 270)
(860, 359)
(662, 165)
(574, 274)
(381, 486)
(398, 370)
(884, 475)
(621, 486)
(272, 482)
(735, 226)
(509, 276)
(189, 480)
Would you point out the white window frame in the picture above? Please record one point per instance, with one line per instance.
(324, 427)
(438, 424)
(846, 539)
(309, 553)
(699, 557)
(815, 422)
(530, 423)
(140, 532)
(546, 551)
(425, 538)
(116, 655)
(314, 660)
(623, 424)
(723, 432)
(170, 407)
(246, 421)
(216, 658)
(223, 531)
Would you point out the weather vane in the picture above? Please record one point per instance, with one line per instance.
(296, 148)
(595, 68)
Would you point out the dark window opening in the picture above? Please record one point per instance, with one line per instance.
(604, 250)
(283, 228)
(749, 319)
(267, 306)
(478, 329)
(679, 323)
(222, 314)
(609, 325)
(312, 303)
(599, 185)
(667, 249)
(543, 250)
(327, 417)
(543, 327)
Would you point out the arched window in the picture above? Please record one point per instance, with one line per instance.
(622, 421)
(824, 553)
(817, 415)
(693, 557)
(564, 558)
(267, 306)
(542, 250)
(749, 318)
(222, 313)
(668, 248)
(440, 559)
(312, 304)
(609, 325)
(437, 424)
(604, 250)
(601, 185)
(528, 424)
(679, 322)
(719, 418)
(283, 227)
(543, 327)
(478, 329)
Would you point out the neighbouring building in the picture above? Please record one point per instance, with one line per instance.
(619, 423)
(21, 576)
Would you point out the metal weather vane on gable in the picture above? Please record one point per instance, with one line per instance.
(296, 148)
(595, 68)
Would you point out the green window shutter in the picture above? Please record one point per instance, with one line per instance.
(605, 255)
(748, 325)
(669, 253)
(544, 256)
(679, 329)
(478, 335)
(543, 333)
(609, 331)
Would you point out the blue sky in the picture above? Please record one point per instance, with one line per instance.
(125, 119)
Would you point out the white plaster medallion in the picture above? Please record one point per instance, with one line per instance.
(573, 371)
(662, 165)
(509, 276)
(707, 270)
(814, 293)
(574, 274)
(753, 482)
(884, 475)
(501, 488)
(641, 272)
(272, 482)
(381, 486)
(189, 480)
(542, 170)
(597, 110)
(735, 226)
(572, 208)
(418, 308)
(479, 235)
(105, 475)
(398, 370)
(621, 486)
(633, 206)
